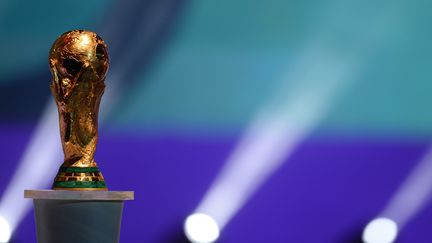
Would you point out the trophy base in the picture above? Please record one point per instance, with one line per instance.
(79, 178)
(78, 216)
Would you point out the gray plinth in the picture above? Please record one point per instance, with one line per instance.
(78, 216)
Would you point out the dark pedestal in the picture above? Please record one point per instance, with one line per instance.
(78, 216)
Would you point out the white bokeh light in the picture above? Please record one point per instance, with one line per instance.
(380, 230)
(201, 228)
(5, 231)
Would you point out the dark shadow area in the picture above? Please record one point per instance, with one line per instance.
(23, 97)
(175, 235)
(353, 234)
(178, 238)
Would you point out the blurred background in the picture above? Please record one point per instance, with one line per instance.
(234, 121)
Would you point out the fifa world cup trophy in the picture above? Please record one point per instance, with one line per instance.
(78, 61)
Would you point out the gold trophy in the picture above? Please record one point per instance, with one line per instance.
(78, 61)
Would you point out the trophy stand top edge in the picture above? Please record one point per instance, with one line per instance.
(97, 195)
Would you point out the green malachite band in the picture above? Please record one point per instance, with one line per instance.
(80, 184)
(79, 169)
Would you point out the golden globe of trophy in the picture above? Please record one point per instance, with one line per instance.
(79, 208)
(78, 61)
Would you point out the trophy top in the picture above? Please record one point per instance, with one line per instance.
(76, 51)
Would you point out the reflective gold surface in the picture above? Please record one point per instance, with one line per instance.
(78, 61)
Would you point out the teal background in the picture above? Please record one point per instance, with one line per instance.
(224, 59)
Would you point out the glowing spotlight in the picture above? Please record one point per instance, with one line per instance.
(276, 131)
(380, 230)
(414, 193)
(201, 228)
(5, 231)
(313, 83)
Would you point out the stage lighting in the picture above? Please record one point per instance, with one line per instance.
(380, 230)
(5, 231)
(201, 228)
(413, 194)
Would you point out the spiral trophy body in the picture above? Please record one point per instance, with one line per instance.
(78, 61)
